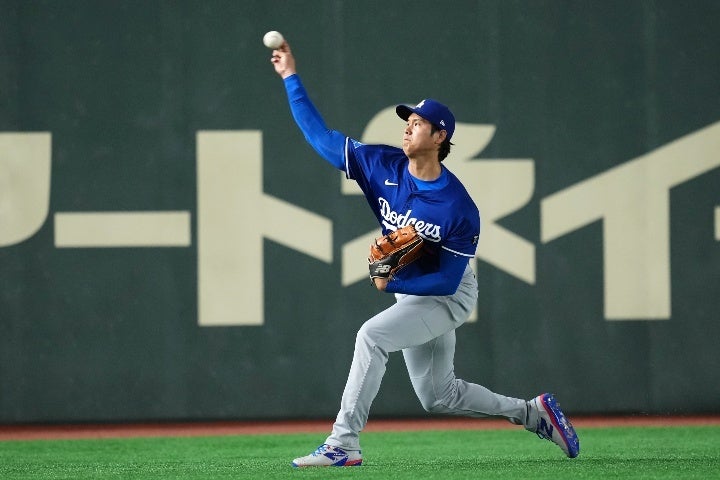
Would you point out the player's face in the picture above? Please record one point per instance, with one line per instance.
(417, 139)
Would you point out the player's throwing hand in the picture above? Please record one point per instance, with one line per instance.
(283, 60)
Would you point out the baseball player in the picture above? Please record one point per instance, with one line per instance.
(434, 295)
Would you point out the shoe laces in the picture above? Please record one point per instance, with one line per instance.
(325, 448)
(320, 450)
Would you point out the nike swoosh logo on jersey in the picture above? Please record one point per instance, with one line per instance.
(390, 184)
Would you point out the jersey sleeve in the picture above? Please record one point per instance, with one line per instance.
(464, 237)
(357, 166)
(361, 159)
(365, 162)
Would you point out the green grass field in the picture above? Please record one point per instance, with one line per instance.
(606, 453)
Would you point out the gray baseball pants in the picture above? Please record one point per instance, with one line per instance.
(423, 327)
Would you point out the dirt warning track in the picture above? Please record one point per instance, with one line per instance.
(185, 429)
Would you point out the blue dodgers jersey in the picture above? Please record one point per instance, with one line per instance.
(446, 218)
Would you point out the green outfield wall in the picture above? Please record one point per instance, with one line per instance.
(170, 248)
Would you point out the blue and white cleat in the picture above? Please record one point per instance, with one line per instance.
(329, 456)
(554, 426)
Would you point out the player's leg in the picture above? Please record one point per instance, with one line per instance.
(400, 326)
(431, 370)
(432, 374)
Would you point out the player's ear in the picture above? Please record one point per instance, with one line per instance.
(441, 137)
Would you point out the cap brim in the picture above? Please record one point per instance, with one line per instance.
(403, 111)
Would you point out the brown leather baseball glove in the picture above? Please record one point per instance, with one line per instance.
(393, 251)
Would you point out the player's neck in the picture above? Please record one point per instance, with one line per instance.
(427, 169)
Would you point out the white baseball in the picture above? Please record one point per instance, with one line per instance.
(273, 39)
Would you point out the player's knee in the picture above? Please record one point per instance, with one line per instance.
(373, 336)
(432, 399)
(425, 393)
(433, 405)
(366, 334)
(368, 338)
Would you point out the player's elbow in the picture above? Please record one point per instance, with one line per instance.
(445, 290)
(449, 286)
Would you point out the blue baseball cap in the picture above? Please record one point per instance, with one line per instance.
(432, 111)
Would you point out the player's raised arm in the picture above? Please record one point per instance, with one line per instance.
(330, 144)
